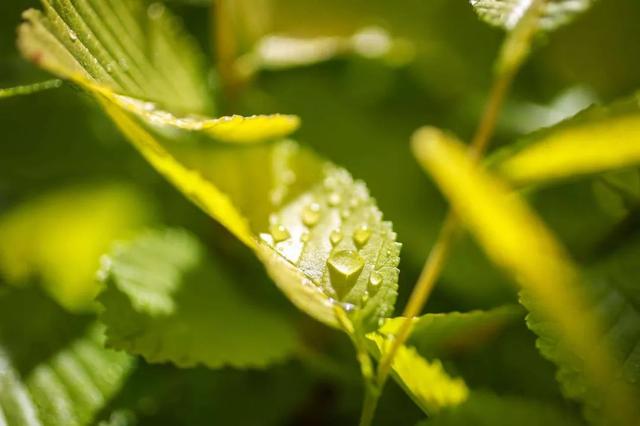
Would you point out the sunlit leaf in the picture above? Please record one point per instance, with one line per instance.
(311, 223)
(58, 238)
(486, 409)
(276, 52)
(517, 240)
(508, 13)
(167, 299)
(440, 334)
(596, 140)
(70, 381)
(142, 55)
(317, 230)
(426, 382)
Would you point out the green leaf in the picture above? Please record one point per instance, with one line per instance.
(508, 13)
(614, 296)
(440, 334)
(518, 241)
(426, 382)
(278, 52)
(70, 381)
(168, 300)
(317, 230)
(487, 409)
(596, 140)
(58, 238)
(142, 58)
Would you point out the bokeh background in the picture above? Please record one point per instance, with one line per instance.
(70, 185)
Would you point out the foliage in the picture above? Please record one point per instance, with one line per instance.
(122, 303)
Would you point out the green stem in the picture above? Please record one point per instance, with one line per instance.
(371, 396)
(511, 57)
(224, 42)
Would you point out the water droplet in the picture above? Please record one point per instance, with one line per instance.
(361, 235)
(335, 237)
(73, 36)
(311, 214)
(375, 278)
(344, 268)
(155, 10)
(304, 237)
(348, 307)
(266, 238)
(365, 297)
(334, 199)
(110, 68)
(289, 177)
(279, 233)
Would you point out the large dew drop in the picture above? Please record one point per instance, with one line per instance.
(344, 268)
(311, 214)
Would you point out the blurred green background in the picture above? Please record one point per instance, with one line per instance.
(65, 169)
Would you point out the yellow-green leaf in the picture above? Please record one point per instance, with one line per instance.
(59, 237)
(425, 381)
(143, 58)
(599, 139)
(517, 240)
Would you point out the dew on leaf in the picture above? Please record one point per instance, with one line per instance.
(344, 268)
(279, 233)
(73, 36)
(311, 214)
(375, 278)
(335, 237)
(361, 235)
(334, 199)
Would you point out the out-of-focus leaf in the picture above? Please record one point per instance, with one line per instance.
(141, 54)
(508, 13)
(60, 236)
(596, 140)
(29, 88)
(275, 52)
(66, 386)
(426, 382)
(439, 334)
(519, 242)
(486, 409)
(168, 300)
(614, 297)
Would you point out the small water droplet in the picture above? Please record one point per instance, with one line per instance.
(289, 177)
(348, 307)
(375, 278)
(335, 236)
(334, 199)
(311, 214)
(110, 68)
(73, 36)
(267, 238)
(279, 233)
(361, 235)
(344, 268)
(304, 237)
(155, 10)
(365, 297)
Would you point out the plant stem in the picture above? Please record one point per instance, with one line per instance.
(371, 396)
(224, 41)
(441, 249)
